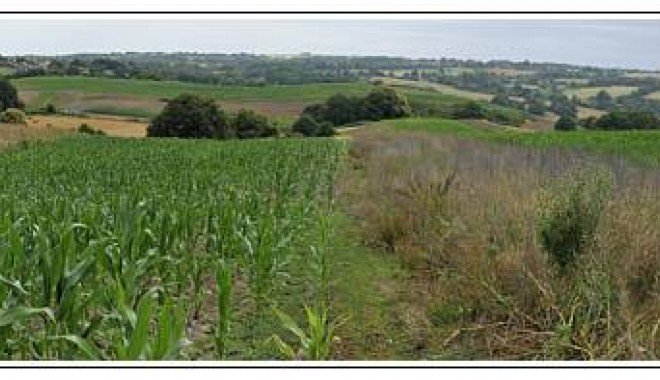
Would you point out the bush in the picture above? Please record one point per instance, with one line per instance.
(569, 218)
(470, 110)
(190, 116)
(50, 109)
(381, 103)
(309, 127)
(385, 103)
(9, 96)
(85, 128)
(12, 116)
(248, 124)
(566, 123)
(627, 120)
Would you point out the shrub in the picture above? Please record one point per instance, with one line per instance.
(50, 109)
(470, 110)
(8, 96)
(309, 127)
(626, 120)
(569, 219)
(85, 128)
(566, 123)
(13, 116)
(385, 103)
(381, 103)
(248, 124)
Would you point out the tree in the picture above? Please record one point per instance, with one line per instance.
(340, 109)
(627, 120)
(603, 100)
(589, 122)
(309, 127)
(385, 103)
(190, 116)
(562, 106)
(9, 96)
(501, 99)
(469, 110)
(566, 123)
(536, 107)
(248, 124)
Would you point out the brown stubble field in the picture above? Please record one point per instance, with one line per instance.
(112, 126)
(464, 218)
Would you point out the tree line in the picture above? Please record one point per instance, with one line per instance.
(619, 120)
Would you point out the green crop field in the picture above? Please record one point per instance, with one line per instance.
(142, 98)
(642, 147)
(126, 249)
(160, 89)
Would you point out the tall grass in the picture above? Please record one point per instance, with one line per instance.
(467, 218)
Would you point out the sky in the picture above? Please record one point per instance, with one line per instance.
(603, 43)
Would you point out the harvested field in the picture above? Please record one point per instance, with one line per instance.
(445, 89)
(585, 93)
(653, 95)
(111, 126)
(542, 123)
(585, 112)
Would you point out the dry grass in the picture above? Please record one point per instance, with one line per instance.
(643, 75)
(463, 217)
(11, 134)
(653, 95)
(541, 123)
(585, 93)
(585, 112)
(442, 88)
(110, 125)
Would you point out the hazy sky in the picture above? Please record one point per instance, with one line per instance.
(607, 43)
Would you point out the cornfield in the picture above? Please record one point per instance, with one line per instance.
(116, 249)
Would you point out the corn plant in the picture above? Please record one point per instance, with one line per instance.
(107, 246)
(313, 344)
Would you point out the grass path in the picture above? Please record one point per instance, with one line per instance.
(363, 293)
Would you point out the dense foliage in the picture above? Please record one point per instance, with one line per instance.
(190, 116)
(566, 123)
(339, 109)
(109, 246)
(8, 96)
(623, 120)
(248, 124)
(306, 125)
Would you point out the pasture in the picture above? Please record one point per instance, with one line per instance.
(143, 98)
(641, 147)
